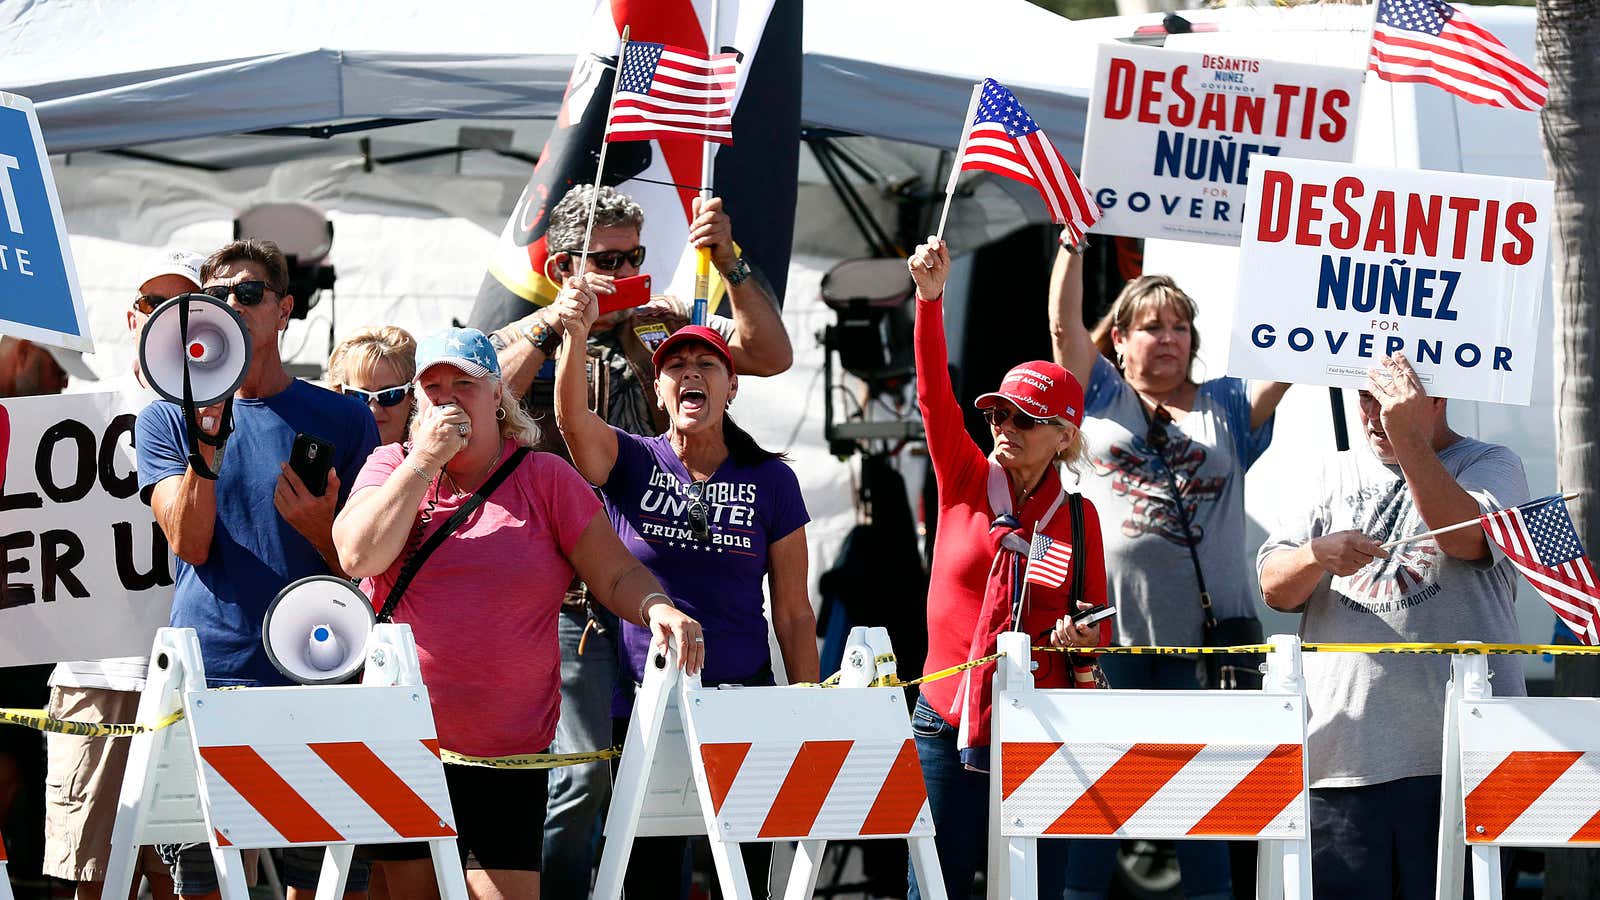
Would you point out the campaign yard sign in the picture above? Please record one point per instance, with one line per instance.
(84, 571)
(1342, 265)
(39, 295)
(1173, 135)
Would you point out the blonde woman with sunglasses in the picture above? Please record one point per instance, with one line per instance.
(376, 365)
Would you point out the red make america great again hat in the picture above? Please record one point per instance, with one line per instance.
(1041, 389)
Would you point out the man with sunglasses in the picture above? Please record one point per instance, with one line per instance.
(621, 377)
(84, 773)
(243, 537)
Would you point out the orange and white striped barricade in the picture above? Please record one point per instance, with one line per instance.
(331, 766)
(1518, 772)
(766, 764)
(1158, 765)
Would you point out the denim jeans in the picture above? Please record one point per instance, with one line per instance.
(1204, 864)
(959, 799)
(579, 794)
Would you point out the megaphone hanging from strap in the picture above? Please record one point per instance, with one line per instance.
(316, 629)
(195, 351)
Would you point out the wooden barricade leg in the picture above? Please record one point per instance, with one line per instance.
(335, 871)
(1449, 866)
(1013, 863)
(170, 666)
(633, 773)
(803, 874)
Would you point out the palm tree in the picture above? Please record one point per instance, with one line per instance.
(1567, 52)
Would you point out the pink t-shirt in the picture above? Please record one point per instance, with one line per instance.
(484, 607)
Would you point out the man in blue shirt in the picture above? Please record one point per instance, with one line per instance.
(242, 538)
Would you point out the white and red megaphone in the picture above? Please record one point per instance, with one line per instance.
(195, 350)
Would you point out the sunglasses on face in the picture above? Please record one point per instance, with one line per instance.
(612, 260)
(999, 415)
(387, 397)
(147, 303)
(249, 292)
(699, 512)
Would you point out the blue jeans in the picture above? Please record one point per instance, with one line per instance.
(579, 794)
(1204, 864)
(959, 799)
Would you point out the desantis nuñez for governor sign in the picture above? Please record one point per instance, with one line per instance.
(39, 296)
(1173, 135)
(1342, 265)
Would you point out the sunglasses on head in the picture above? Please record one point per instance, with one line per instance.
(999, 415)
(249, 292)
(699, 512)
(387, 397)
(612, 260)
(1156, 435)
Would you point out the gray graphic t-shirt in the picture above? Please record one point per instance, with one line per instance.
(1379, 718)
(1149, 573)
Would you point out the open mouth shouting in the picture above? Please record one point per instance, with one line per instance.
(691, 400)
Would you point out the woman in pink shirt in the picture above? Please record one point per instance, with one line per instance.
(483, 605)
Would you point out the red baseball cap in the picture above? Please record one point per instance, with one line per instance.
(694, 334)
(1041, 389)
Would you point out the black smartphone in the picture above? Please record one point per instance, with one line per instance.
(1093, 615)
(311, 459)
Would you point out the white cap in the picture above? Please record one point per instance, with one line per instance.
(72, 361)
(182, 263)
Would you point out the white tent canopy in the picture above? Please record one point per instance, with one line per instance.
(145, 72)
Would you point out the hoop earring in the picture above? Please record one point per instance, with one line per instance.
(500, 413)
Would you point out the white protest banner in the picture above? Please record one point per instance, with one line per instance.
(39, 295)
(1341, 265)
(84, 569)
(1173, 134)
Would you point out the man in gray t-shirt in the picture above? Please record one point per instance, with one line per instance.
(1376, 721)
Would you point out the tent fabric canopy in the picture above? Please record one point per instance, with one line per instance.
(143, 72)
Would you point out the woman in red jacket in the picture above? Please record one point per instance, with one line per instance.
(991, 510)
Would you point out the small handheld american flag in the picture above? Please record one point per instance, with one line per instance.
(1433, 42)
(1002, 138)
(1049, 562)
(1539, 539)
(669, 92)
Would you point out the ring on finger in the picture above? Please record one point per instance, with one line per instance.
(461, 429)
(700, 640)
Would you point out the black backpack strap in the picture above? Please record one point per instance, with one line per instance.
(415, 560)
(1075, 593)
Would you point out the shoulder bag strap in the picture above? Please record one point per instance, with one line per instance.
(1188, 532)
(1075, 593)
(415, 560)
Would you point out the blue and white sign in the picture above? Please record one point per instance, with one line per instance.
(39, 295)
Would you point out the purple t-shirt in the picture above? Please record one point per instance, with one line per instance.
(717, 580)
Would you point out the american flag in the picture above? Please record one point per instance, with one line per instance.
(1433, 42)
(1049, 561)
(668, 92)
(1539, 539)
(1002, 138)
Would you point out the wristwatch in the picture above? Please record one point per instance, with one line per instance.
(1074, 249)
(542, 336)
(737, 275)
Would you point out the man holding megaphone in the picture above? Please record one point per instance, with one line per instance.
(243, 536)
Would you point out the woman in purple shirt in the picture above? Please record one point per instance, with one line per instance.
(704, 507)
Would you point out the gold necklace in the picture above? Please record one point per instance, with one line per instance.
(456, 490)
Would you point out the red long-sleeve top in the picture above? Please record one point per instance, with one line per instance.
(963, 553)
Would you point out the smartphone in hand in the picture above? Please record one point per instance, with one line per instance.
(311, 458)
(631, 291)
(1093, 615)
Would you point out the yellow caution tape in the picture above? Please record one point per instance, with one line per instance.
(39, 720)
(1453, 649)
(530, 760)
(1159, 651)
